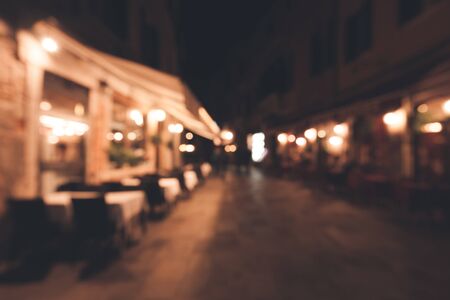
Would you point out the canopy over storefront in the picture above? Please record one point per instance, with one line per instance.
(152, 88)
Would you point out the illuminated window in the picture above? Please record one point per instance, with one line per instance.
(127, 146)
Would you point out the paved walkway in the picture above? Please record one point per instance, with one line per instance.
(253, 237)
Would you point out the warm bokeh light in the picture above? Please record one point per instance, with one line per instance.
(132, 136)
(282, 138)
(395, 120)
(61, 127)
(258, 147)
(341, 129)
(230, 148)
(49, 44)
(291, 138)
(322, 133)
(186, 148)
(301, 142)
(110, 136)
(423, 108)
(190, 148)
(336, 141)
(79, 110)
(118, 136)
(136, 116)
(311, 134)
(158, 115)
(189, 136)
(53, 140)
(446, 107)
(227, 135)
(45, 106)
(434, 127)
(176, 128)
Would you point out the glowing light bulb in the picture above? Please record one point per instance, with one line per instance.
(311, 134)
(395, 120)
(49, 44)
(341, 129)
(322, 133)
(45, 106)
(446, 107)
(301, 142)
(157, 114)
(434, 127)
(175, 128)
(118, 136)
(282, 138)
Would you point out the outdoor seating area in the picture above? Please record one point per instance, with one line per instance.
(80, 217)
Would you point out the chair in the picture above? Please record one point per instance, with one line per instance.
(91, 218)
(154, 193)
(179, 175)
(31, 228)
(199, 173)
(113, 186)
(78, 187)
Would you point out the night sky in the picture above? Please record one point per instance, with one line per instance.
(211, 30)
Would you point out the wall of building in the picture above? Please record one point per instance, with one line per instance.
(12, 78)
(397, 52)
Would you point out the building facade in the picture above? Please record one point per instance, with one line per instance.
(71, 113)
(144, 31)
(378, 68)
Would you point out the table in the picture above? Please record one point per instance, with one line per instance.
(171, 188)
(206, 169)
(122, 206)
(191, 180)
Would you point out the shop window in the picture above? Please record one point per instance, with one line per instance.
(127, 147)
(432, 120)
(358, 30)
(64, 123)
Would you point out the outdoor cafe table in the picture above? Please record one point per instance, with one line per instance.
(190, 177)
(171, 188)
(123, 207)
(205, 169)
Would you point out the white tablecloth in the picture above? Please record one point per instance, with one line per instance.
(206, 169)
(191, 180)
(171, 188)
(122, 206)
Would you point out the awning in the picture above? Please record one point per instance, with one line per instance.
(159, 89)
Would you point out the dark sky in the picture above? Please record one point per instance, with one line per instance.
(211, 29)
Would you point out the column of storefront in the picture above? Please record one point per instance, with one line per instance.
(28, 185)
(99, 121)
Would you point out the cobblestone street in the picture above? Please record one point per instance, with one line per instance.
(256, 237)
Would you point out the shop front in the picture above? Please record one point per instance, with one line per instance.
(91, 117)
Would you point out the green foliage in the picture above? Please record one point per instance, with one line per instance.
(120, 155)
